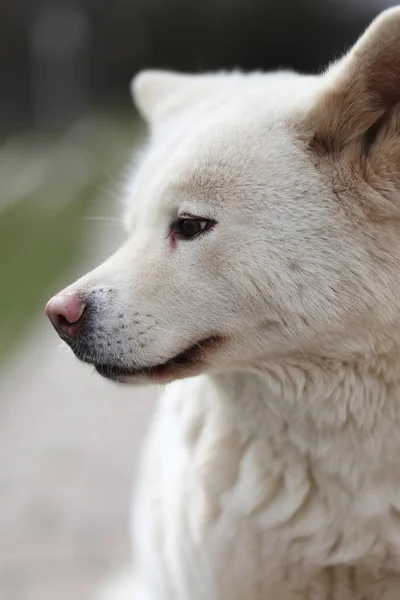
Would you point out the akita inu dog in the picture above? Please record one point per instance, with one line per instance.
(262, 271)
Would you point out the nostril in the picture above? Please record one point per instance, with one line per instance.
(63, 322)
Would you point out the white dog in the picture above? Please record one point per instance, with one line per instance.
(262, 270)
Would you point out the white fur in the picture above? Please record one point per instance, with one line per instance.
(274, 473)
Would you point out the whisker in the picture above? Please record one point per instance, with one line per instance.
(99, 218)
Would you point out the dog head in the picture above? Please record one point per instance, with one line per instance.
(263, 221)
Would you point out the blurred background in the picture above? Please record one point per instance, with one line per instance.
(69, 440)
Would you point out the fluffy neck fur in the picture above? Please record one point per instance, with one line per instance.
(343, 416)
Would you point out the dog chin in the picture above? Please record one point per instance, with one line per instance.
(188, 363)
(160, 374)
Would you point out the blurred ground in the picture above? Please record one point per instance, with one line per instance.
(68, 439)
(68, 447)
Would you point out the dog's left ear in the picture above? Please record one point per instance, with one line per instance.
(362, 88)
(159, 95)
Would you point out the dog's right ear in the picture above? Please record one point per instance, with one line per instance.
(159, 95)
(362, 88)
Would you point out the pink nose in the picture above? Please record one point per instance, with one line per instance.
(66, 313)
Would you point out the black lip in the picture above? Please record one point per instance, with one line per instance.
(181, 360)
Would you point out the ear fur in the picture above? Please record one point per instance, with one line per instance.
(161, 94)
(361, 88)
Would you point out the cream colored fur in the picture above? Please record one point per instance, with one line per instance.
(273, 473)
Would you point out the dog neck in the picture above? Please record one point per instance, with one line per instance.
(343, 415)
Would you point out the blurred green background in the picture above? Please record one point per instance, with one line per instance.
(51, 187)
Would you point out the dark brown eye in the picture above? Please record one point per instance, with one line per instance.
(190, 228)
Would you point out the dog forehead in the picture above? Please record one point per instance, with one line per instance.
(211, 165)
(220, 156)
(223, 164)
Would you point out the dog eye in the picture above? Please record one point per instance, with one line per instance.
(188, 228)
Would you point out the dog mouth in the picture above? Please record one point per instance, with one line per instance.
(168, 369)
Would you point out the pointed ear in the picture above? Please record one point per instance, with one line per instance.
(160, 94)
(362, 88)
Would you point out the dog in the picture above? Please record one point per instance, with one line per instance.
(261, 280)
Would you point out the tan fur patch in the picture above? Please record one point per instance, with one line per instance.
(354, 124)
